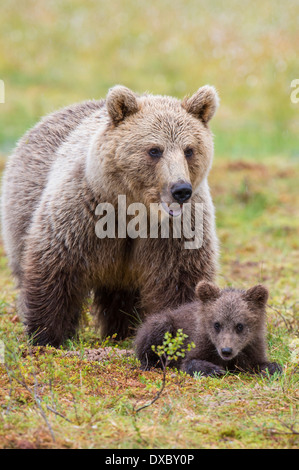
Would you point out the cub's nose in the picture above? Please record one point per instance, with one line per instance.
(181, 192)
(226, 352)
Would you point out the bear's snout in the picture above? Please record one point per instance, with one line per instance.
(181, 192)
(226, 352)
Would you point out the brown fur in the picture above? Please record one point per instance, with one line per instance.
(90, 153)
(212, 323)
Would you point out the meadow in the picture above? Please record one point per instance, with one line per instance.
(85, 394)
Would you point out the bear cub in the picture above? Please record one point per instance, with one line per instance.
(227, 326)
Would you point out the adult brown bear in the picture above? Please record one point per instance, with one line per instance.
(150, 149)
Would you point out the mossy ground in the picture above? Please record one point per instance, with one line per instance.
(55, 53)
(92, 404)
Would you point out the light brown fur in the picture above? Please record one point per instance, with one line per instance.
(90, 153)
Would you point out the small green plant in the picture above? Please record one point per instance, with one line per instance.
(108, 341)
(170, 350)
(172, 347)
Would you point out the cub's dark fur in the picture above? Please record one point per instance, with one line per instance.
(227, 327)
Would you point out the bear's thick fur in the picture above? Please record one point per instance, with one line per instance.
(227, 327)
(90, 153)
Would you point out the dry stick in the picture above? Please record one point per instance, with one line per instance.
(37, 402)
(291, 428)
(290, 433)
(10, 389)
(58, 414)
(75, 408)
(287, 324)
(34, 395)
(159, 392)
(55, 410)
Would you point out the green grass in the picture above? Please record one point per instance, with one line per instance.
(88, 403)
(55, 53)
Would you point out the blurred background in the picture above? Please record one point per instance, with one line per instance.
(58, 52)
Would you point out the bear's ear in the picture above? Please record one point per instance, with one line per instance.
(258, 295)
(206, 291)
(203, 103)
(121, 102)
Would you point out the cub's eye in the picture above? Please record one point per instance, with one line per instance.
(188, 152)
(217, 327)
(155, 152)
(239, 327)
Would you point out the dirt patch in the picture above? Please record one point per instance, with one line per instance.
(93, 355)
(248, 166)
(100, 354)
(244, 271)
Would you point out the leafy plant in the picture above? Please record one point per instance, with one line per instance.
(172, 347)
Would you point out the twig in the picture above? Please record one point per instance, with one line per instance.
(10, 389)
(290, 433)
(58, 414)
(159, 393)
(291, 428)
(37, 402)
(75, 408)
(33, 393)
(287, 324)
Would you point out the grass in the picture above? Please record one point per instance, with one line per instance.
(90, 403)
(56, 53)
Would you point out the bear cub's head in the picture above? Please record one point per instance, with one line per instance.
(162, 147)
(232, 318)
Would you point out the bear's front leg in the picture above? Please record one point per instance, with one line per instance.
(203, 367)
(51, 298)
(269, 368)
(116, 311)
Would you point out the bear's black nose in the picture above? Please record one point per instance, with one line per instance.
(181, 192)
(226, 351)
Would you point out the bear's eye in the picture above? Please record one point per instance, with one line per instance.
(239, 327)
(188, 152)
(217, 326)
(155, 152)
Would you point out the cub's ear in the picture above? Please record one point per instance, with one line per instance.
(203, 103)
(121, 102)
(206, 291)
(258, 295)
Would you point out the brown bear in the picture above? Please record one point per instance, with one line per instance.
(226, 326)
(149, 149)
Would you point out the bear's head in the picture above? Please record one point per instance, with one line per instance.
(157, 149)
(232, 318)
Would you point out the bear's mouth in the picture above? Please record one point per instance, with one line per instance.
(174, 209)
